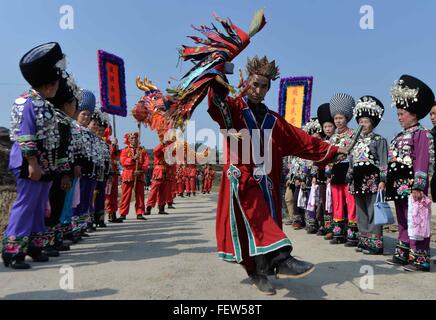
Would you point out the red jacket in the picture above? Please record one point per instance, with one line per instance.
(160, 166)
(129, 164)
(191, 171)
(115, 158)
(210, 174)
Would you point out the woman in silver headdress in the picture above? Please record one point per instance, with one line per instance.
(367, 173)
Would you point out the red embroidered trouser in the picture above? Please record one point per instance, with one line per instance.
(340, 198)
(111, 201)
(180, 187)
(188, 185)
(174, 189)
(169, 191)
(192, 184)
(158, 193)
(207, 185)
(126, 196)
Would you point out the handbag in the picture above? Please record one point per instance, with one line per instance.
(382, 211)
(301, 201)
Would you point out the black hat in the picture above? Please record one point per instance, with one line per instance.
(67, 92)
(413, 95)
(101, 117)
(369, 107)
(41, 66)
(324, 114)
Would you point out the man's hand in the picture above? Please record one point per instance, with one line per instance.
(244, 89)
(344, 151)
(340, 157)
(381, 186)
(417, 195)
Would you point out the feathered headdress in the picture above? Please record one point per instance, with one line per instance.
(262, 67)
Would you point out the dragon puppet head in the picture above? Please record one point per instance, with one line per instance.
(153, 108)
(210, 57)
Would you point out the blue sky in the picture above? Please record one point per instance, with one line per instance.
(317, 38)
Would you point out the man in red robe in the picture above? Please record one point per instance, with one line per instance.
(180, 176)
(134, 160)
(191, 177)
(111, 201)
(209, 174)
(188, 180)
(170, 185)
(159, 190)
(249, 221)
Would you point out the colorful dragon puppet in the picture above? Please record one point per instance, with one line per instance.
(211, 57)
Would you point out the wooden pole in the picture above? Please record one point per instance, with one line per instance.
(137, 160)
(115, 127)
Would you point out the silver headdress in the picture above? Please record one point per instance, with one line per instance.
(367, 105)
(402, 94)
(313, 126)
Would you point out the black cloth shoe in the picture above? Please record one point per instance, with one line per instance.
(394, 261)
(62, 247)
(292, 268)
(19, 265)
(162, 210)
(15, 261)
(122, 218)
(311, 230)
(140, 217)
(338, 241)
(37, 255)
(416, 267)
(262, 284)
(350, 244)
(170, 206)
(51, 252)
(113, 218)
(148, 211)
(101, 224)
(378, 252)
